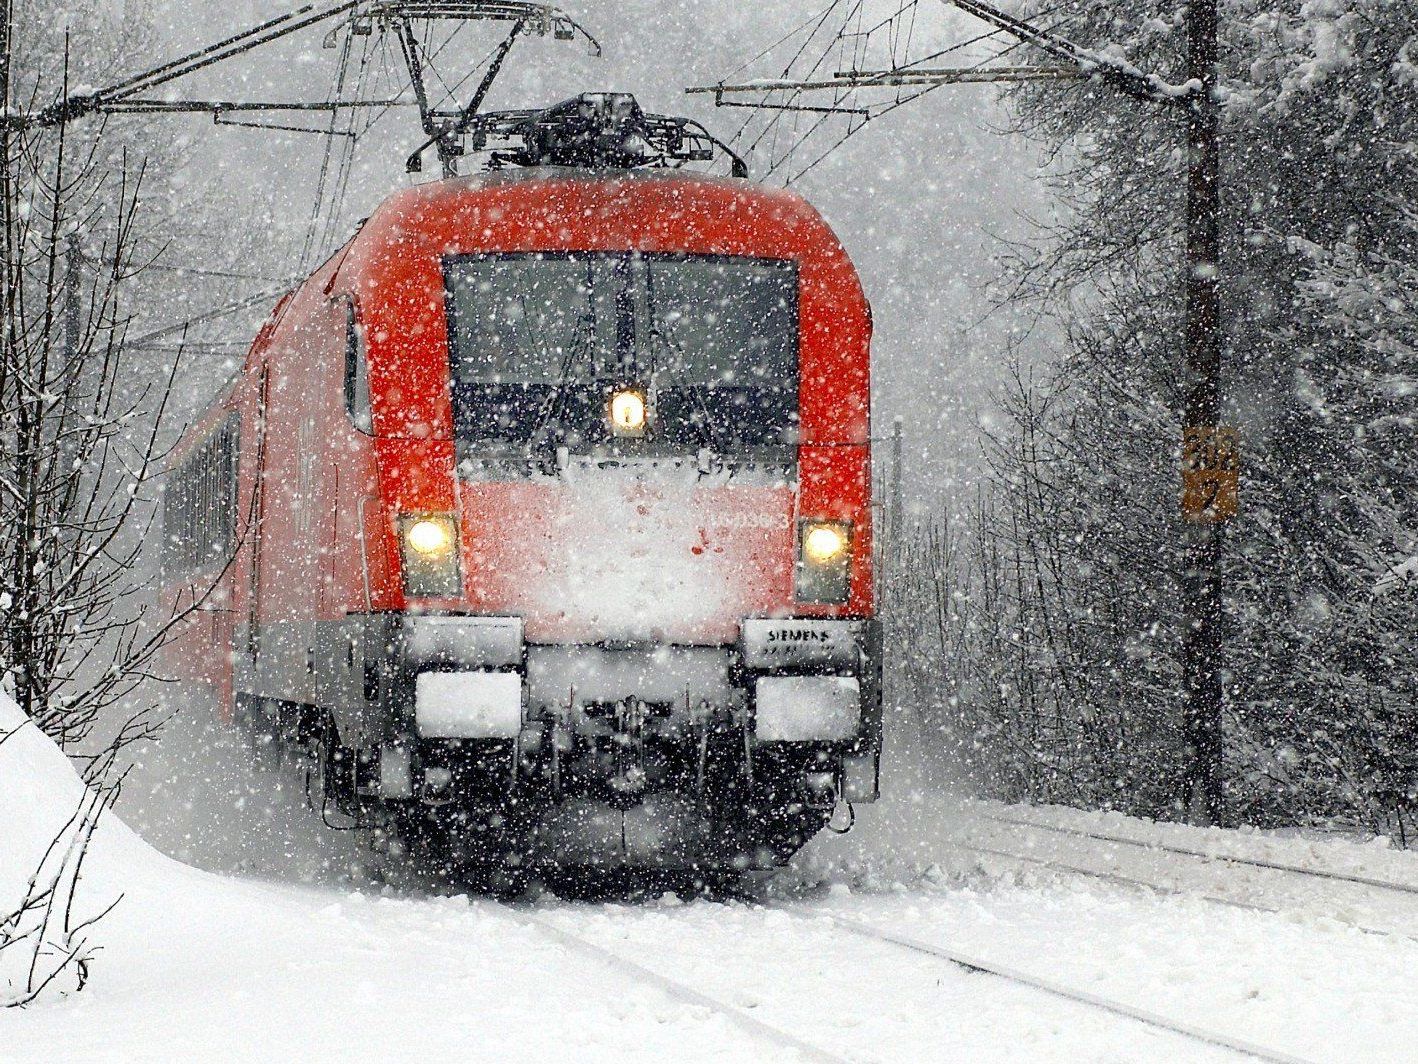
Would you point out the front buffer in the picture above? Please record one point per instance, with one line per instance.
(483, 750)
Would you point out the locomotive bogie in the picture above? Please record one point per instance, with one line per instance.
(458, 712)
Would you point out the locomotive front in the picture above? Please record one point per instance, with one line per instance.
(623, 442)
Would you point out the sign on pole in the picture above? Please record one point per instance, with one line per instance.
(1211, 474)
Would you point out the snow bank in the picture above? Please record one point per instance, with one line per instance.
(39, 794)
(191, 966)
(60, 875)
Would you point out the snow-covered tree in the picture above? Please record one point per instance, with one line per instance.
(1075, 584)
(84, 211)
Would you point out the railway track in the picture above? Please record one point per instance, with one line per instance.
(1056, 864)
(958, 959)
(974, 963)
(1124, 880)
(688, 995)
(1186, 851)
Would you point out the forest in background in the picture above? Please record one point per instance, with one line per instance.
(1041, 632)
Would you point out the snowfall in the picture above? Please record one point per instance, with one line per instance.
(244, 930)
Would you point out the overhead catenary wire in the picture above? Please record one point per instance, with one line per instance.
(928, 86)
(196, 271)
(212, 315)
(344, 166)
(435, 98)
(125, 94)
(222, 348)
(351, 116)
(820, 21)
(851, 24)
(847, 33)
(309, 245)
(351, 113)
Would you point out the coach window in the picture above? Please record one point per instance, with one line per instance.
(356, 369)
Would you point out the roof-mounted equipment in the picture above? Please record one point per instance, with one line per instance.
(596, 130)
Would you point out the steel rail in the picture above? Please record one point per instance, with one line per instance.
(1155, 888)
(1127, 881)
(970, 962)
(211, 315)
(1277, 866)
(681, 992)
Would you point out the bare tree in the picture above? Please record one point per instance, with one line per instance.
(45, 941)
(80, 407)
(80, 443)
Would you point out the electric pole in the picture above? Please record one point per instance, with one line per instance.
(894, 523)
(1208, 452)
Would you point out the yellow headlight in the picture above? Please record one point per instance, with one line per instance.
(428, 536)
(823, 543)
(628, 412)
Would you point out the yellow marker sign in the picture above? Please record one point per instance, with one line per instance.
(1211, 474)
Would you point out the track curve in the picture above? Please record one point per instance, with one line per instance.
(1186, 851)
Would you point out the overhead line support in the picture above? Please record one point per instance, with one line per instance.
(111, 99)
(239, 106)
(73, 107)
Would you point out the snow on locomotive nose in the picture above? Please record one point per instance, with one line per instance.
(542, 511)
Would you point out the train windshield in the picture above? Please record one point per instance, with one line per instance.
(540, 341)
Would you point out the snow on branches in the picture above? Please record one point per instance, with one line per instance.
(1073, 605)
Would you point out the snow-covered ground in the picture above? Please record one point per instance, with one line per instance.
(897, 843)
(299, 958)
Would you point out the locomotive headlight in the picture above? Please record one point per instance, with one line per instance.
(824, 570)
(627, 412)
(428, 546)
(429, 535)
(822, 543)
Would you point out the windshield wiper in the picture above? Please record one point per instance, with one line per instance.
(704, 425)
(704, 431)
(554, 407)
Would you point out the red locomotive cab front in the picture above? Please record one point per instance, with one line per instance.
(578, 569)
(623, 529)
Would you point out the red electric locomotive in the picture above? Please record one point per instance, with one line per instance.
(541, 512)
